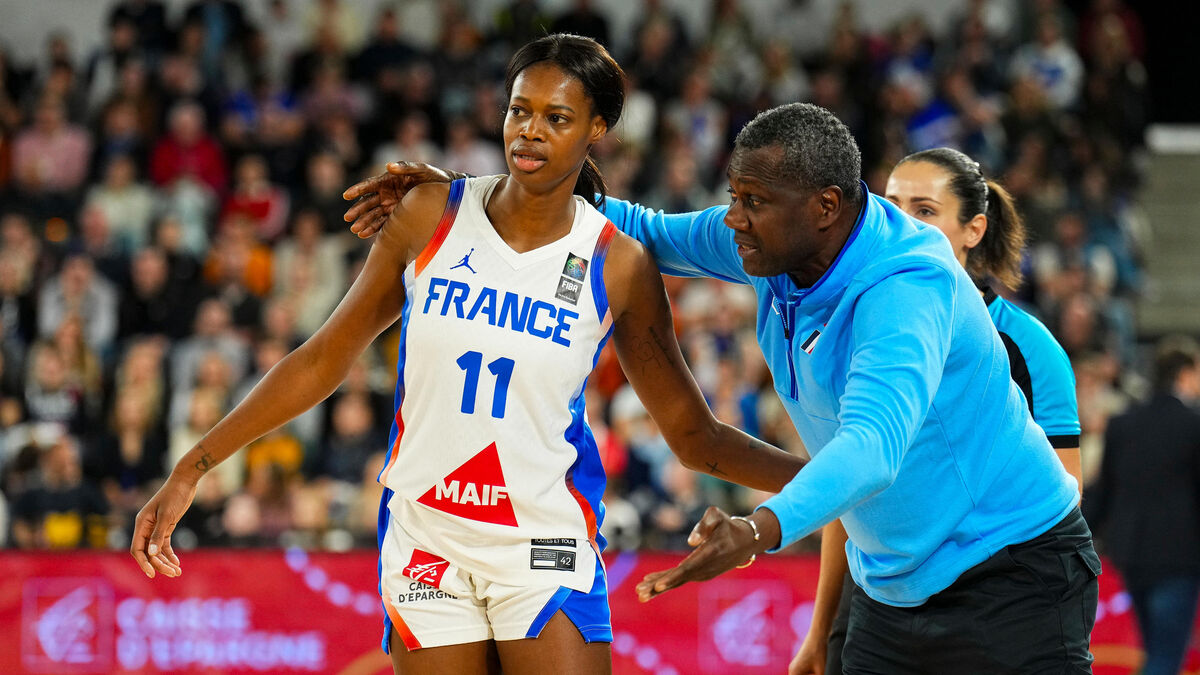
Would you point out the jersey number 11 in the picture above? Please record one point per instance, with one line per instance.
(472, 363)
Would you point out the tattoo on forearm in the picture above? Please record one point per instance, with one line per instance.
(205, 462)
(662, 344)
(645, 351)
(652, 349)
(714, 470)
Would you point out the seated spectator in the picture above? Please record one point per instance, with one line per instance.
(50, 395)
(62, 511)
(84, 369)
(187, 152)
(126, 460)
(411, 142)
(151, 304)
(212, 330)
(353, 439)
(78, 290)
(326, 178)
(468, 153)
(50, 158)
(127, 123)
(1052, 61)
(238, 271)
(18, 305)
(128, 206)
(141, 373)
(256, 199)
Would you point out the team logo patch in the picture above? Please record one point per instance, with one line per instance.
(568, 290)
(475, 491)
(810, 343)
(426, 568)
(551, 559)
(465, 262)
(576, 267)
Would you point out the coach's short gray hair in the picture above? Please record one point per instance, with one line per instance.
(818, 149)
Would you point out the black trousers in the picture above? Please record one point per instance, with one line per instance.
(1027, 610)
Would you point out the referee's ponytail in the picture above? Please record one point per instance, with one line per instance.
(602, 78)
(998, 254)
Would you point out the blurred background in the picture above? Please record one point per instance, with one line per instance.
(170, 218)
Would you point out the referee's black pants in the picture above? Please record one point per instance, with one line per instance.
(1027, 610)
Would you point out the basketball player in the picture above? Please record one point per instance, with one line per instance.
(945, 188)
(966, 543)
(507, 288)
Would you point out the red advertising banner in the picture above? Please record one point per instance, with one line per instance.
(254, 611)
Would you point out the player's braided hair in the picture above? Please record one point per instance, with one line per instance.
(818, 150)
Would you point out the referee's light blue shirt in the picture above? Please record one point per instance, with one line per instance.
(899, 386)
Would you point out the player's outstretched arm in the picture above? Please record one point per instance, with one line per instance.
(295, 384)
(377, 197)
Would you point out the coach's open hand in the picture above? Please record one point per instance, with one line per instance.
(151, 546)
(378, 195)
(722, 543)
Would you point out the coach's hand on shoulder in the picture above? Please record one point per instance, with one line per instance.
(722, 543)
(378, 195)
(151, 545)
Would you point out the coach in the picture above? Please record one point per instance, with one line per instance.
(966, 543)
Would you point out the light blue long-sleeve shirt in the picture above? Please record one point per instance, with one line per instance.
(899, 386)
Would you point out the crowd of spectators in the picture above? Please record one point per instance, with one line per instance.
(170, 227)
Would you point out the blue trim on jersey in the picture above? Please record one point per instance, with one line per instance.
(587, 473)
(384, 518)
(589, 611)
(1052, 381)
(384, 513)
(543, 617)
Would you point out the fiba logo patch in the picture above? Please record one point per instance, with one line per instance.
(67, 625)
(568, 290)
(575, 267)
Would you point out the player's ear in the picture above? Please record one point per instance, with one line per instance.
(599, 129)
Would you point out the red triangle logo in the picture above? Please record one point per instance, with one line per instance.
(475, 491)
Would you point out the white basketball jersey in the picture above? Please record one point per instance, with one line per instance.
(491, 462)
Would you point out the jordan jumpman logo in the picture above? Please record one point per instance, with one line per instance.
(465, 262)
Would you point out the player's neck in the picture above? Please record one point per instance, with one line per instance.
(526, 219)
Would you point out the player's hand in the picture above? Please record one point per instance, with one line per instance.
(151, 546)
(721, 544)
(810, 659)
(378, 195)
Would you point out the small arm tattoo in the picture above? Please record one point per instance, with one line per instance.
(645, 352)
(715, 470)
(205, 462)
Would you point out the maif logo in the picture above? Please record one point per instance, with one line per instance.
(476, 491)
(67, 626)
